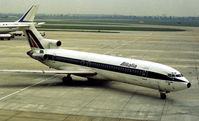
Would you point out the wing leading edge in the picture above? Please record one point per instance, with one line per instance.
(78, 72)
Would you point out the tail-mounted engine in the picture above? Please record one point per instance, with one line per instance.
(52, 44)
(38, 55)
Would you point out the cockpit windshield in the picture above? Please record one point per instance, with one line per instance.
(175, 75)
(179, 75)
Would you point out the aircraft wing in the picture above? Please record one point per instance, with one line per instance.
(24, 25)
(78, 72)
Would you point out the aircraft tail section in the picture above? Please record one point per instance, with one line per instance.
(36, 41)
(29, 15)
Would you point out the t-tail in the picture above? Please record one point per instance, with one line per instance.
(36, 41)
(29, 15)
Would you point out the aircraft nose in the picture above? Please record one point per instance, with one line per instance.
(188, 85)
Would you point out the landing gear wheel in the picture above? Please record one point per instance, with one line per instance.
(66, 79)
(163, 95)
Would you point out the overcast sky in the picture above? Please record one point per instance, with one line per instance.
(121, 7)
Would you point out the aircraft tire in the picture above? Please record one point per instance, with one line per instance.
(67, 79)
(163, 96)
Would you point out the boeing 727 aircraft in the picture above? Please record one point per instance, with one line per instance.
(24, 21)
(160, 77)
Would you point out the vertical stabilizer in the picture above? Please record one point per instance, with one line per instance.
(36, 41)
(29, 15)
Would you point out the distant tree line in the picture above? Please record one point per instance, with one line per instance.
(157, 20)
(93, 16)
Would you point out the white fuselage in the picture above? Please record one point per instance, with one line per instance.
(132, 71)
(7, 27)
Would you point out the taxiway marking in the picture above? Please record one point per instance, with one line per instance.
(2, 98)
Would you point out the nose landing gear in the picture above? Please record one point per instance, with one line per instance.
(163, 95)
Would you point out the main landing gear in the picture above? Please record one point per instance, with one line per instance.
(67, 79)
(163, 95)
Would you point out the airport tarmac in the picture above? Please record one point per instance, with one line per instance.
(37, 97)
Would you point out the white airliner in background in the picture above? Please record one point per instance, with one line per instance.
(24, 21)
(102, 67)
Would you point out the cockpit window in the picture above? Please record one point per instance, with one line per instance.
(171, 75)
(174, 75)
(179, 75)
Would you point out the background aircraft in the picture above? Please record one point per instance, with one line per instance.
(24, 21)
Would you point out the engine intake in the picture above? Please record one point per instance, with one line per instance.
(37, 55)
